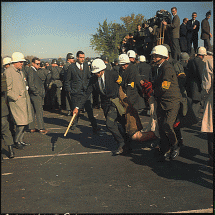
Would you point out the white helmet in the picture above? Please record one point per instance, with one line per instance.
(160, 50)
(142, 58)
(123, 59)
(98, 65)
(202, 51)
(17, 57)
(6, 60)
(131, 53)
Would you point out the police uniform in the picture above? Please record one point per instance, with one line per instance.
(131, 86)
(167, 95)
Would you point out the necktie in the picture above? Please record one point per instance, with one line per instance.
(81, 67)
(102, 85)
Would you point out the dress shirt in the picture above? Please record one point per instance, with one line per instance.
(79, 65)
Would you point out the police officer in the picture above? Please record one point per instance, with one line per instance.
(55, 85)
(69, 60)
(139, 100)
(194, 79)
(167, 95)
(6, 62)
(105, 58)
(116, 65)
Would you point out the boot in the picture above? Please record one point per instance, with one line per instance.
(10, 149)
(18, 145)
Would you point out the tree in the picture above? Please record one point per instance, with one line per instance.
(132, 21)
(107, 39)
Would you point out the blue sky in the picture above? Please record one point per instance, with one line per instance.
(52, 29)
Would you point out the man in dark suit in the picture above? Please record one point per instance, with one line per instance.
(175, 27)
(183, 35)
(192, 33)
(105, 82)
(206, 35)
(76, 82)
(37, 94)
(194, 80)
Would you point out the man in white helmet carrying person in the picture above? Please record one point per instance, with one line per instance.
(167, 96)
(106, 83)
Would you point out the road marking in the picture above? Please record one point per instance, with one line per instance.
(209, 210)
(41, 156)
(6, 173)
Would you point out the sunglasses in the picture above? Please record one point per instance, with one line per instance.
(37, 63)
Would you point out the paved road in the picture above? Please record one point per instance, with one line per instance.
(78, 174)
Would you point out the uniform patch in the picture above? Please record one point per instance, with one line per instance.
(132, 84)
(166, 85)
(119, 81)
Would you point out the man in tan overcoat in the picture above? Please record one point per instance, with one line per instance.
(207, 86)
(18, 97)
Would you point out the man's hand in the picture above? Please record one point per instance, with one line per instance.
(194, 27)
(210, 35)
(164, 23)
(75, 111)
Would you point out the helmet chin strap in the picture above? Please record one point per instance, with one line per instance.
(158, 61)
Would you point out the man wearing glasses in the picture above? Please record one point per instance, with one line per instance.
(37, 94)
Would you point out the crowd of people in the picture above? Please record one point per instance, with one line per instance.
(174, 89)
(179, 37)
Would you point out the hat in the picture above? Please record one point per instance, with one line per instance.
(160, 50)
(17, 57)
(131, 53)
(123, 59)
(98, 65)
(6, 60)
(142, 58)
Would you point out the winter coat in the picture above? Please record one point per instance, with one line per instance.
(18, 97)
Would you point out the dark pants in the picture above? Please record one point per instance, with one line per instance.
(175, 48)
(89, 110)
(68, 101)
(96, 96)
(112, 125)
(55, 94)
(166, 119)
(207, 45)
(210, 144)
(5, 131)
(37, 109)
(189, 44)
(19, 133)
(196, 106)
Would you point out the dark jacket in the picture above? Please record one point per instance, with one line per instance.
(76, 81)
(183, 37)
(205, 29)
(55, 76)
(111, 90)
(166, 88)
(36, 86)
(4, 106)
(194, 78)
(192, 33)
(145, 70)
(131, 86)
(175, 26)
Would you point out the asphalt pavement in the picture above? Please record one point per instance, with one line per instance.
(79, 174)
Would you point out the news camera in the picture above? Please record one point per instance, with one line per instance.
(161, 15)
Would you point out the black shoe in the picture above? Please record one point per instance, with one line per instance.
(25, 144)
(18, 145)
(119, 151)
(175, 153)
(10, 149)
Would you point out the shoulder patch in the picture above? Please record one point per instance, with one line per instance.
(166, 85)
(119, 80)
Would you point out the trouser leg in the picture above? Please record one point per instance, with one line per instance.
(6, 133)
(196, 106)
(19, 133)
(89, 110)
(68, 101)
(195, 44)
(38, 109)
(189, 44)
(175, 48)
(207, 45)
(210, 144)
(111, 123)
(58, 95)
(166, 119)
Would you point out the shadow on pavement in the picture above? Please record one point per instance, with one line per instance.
(177, 170)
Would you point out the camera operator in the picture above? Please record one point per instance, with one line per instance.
(175, 26)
